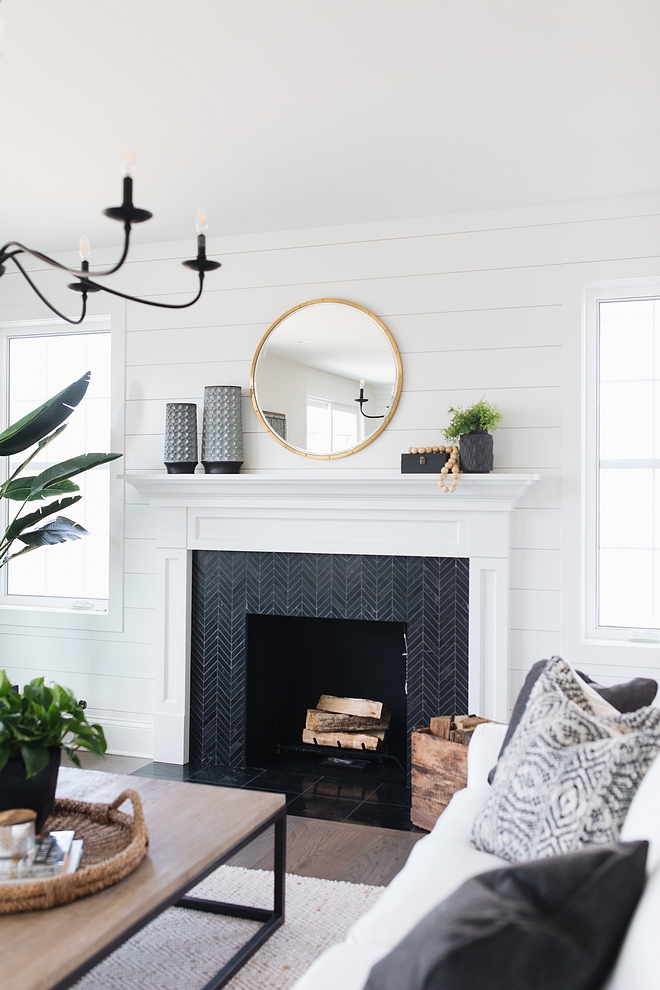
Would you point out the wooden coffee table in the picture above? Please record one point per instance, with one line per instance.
(193, 829)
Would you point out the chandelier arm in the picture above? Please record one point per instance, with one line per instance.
(148, 302)
(64, 268)
(62, 316)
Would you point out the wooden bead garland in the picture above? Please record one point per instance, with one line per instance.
(450, 466)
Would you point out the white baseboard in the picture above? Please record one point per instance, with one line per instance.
(126, 737)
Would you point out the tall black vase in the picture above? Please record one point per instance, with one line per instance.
(37, 793)
(476, 452)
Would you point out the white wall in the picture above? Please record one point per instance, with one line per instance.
(283, 387)
(477, 306)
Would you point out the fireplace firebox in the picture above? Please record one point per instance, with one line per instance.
(292, 661)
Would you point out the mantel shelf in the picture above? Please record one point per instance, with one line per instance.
(482, 492)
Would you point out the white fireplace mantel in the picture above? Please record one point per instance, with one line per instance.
(321, 511)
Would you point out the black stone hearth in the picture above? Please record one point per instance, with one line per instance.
(428, 594)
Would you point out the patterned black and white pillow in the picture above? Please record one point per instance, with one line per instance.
(568, 775)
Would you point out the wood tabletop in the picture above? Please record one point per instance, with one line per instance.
(190, 827)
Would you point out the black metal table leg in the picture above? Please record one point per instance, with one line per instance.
(272, 920)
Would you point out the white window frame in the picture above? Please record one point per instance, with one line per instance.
(593, 295)
(42, 611)
(334, 400)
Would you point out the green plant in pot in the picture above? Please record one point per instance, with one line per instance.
(37, 723)
(470, 429)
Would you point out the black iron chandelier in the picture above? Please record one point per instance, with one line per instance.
(362, 401)
(128, 214)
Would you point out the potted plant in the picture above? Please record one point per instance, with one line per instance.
(469, 428)
(36, 724)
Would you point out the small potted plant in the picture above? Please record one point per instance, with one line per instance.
(36, 724)
(469, 428)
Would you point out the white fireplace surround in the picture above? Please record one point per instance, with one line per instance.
(339, 511)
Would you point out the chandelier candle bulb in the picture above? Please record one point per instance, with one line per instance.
(201, 225)
(84, 248)
(129, 163)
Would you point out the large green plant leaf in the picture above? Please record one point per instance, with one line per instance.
(68, 469)
(20, 489)
(44, 419)
(57, 531)
(21, 523)
(40, 446)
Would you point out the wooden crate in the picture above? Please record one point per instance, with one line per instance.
(439, 769)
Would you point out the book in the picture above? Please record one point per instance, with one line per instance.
(53, 855)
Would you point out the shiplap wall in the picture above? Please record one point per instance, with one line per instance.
(475, 305)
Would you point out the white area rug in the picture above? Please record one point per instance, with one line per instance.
(183, 950)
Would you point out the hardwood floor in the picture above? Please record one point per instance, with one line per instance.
(335, 851)
(315, 848)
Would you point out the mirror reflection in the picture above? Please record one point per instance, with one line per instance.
(326, 378)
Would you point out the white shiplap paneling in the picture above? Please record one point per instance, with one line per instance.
(474, 303)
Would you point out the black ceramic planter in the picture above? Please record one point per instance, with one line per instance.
(37, 793)
(476, 452)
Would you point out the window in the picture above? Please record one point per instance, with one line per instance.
(622, 468)
(73, 575)
(332, 425)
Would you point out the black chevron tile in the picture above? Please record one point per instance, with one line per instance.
(429, 594)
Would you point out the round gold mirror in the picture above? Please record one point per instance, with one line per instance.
(326, 378)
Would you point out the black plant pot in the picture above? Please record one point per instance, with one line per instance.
(37, 793)
(476, 452)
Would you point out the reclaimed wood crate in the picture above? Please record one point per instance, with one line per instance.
(439, 765)
(439, 769)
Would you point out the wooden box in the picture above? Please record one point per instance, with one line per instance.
(439, 769)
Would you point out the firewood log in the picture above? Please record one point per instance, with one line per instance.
(350, 706)
(321, 721)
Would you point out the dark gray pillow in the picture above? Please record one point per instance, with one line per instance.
(553, 924)
(628, 696)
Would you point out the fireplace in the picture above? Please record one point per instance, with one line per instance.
(313, 512)
(364, 604)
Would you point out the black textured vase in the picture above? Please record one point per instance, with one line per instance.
(37, 793)
(476, 452)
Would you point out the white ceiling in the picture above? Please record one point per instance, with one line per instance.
(281, 114)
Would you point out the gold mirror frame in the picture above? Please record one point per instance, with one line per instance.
(395, 400)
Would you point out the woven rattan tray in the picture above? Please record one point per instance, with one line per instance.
(114, 845)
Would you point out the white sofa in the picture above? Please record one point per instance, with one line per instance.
(441, 861)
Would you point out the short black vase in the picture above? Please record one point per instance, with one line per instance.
(476, 452)
(37, 793)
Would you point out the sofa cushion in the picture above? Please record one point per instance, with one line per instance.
(638, 965)
(437, 865)
(643, 818)
(549, 925)
(627, 696)
(483, 752)
(344, 966)
(567, 777)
